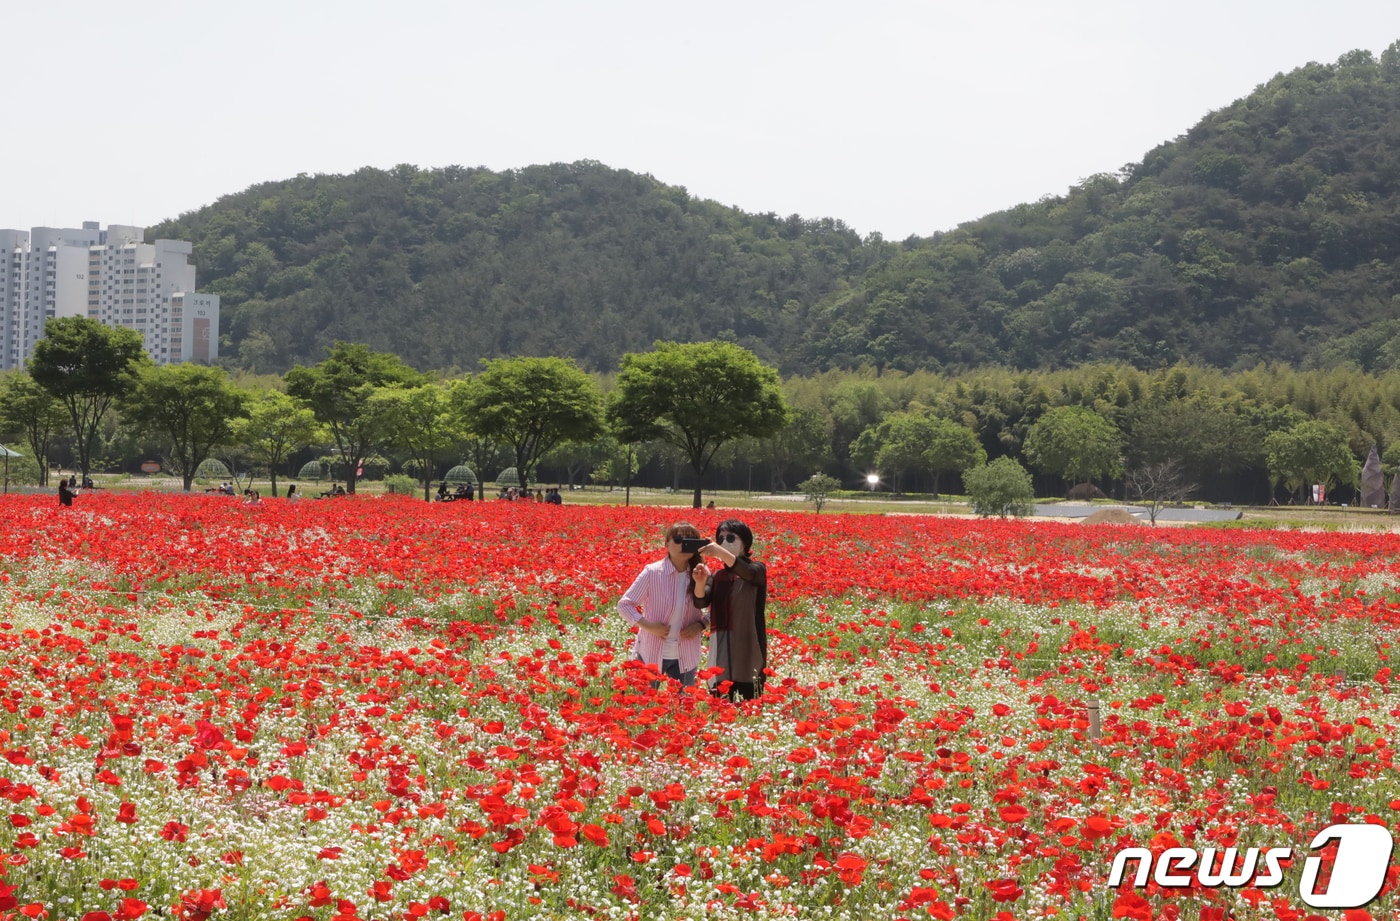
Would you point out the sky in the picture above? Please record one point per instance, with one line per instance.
(895, 117)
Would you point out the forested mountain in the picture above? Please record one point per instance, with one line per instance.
(446, 266)
(1268, 232)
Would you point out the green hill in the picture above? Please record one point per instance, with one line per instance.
(1270, 231)
(446, 266)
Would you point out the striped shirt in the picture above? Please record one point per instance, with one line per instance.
(660, 594)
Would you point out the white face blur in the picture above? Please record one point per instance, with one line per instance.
(731, 542)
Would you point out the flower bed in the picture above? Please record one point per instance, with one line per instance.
(382, 708)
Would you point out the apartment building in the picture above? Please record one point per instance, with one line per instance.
(107, 275)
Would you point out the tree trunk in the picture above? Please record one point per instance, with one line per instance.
(627, 480)
(85, 452)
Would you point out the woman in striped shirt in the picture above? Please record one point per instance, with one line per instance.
(662, 602)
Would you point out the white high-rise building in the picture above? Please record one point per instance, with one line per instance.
(107, 275)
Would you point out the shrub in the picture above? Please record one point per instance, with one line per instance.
(818, 488)
(1002, 487)
(401, 485)
(24, 471)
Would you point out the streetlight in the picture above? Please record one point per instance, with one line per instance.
(872, 480)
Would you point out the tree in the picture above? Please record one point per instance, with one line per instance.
(854, 406)
(578, 458)
(33, 412)
(191, 408)
(1159, 484)
(276, 427)
(87, 367)
(697, 396)
(1075, 443)
(803, 444)
(818, 489)
(918, 441)
(418, 420)
(533, 404)
(616, 463)
(480, 452)
(951, 449)
(338, 391)
(1311, 452)
(1208, 436)
(1002, 487)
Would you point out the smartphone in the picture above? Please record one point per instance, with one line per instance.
(693, 544)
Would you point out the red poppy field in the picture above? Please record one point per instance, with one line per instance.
(383, 709)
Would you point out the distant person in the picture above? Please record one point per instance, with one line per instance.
(65, 493)
(338, 491)
(711, 505)
(442, 495)
(292, 494)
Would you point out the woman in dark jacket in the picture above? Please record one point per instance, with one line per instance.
(736, 596)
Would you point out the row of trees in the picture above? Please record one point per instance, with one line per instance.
(1226, 432)
(715, 409)
(693, 397)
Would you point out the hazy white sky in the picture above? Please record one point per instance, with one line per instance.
(895, 116)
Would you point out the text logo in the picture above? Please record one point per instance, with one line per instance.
(1358, 872)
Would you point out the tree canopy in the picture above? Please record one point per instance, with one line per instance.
(697, 397)
(1075, 443)
(276, 426)
(338, 390)
(532, 405)
(87, 367)
(189, 408)
(33, 413)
